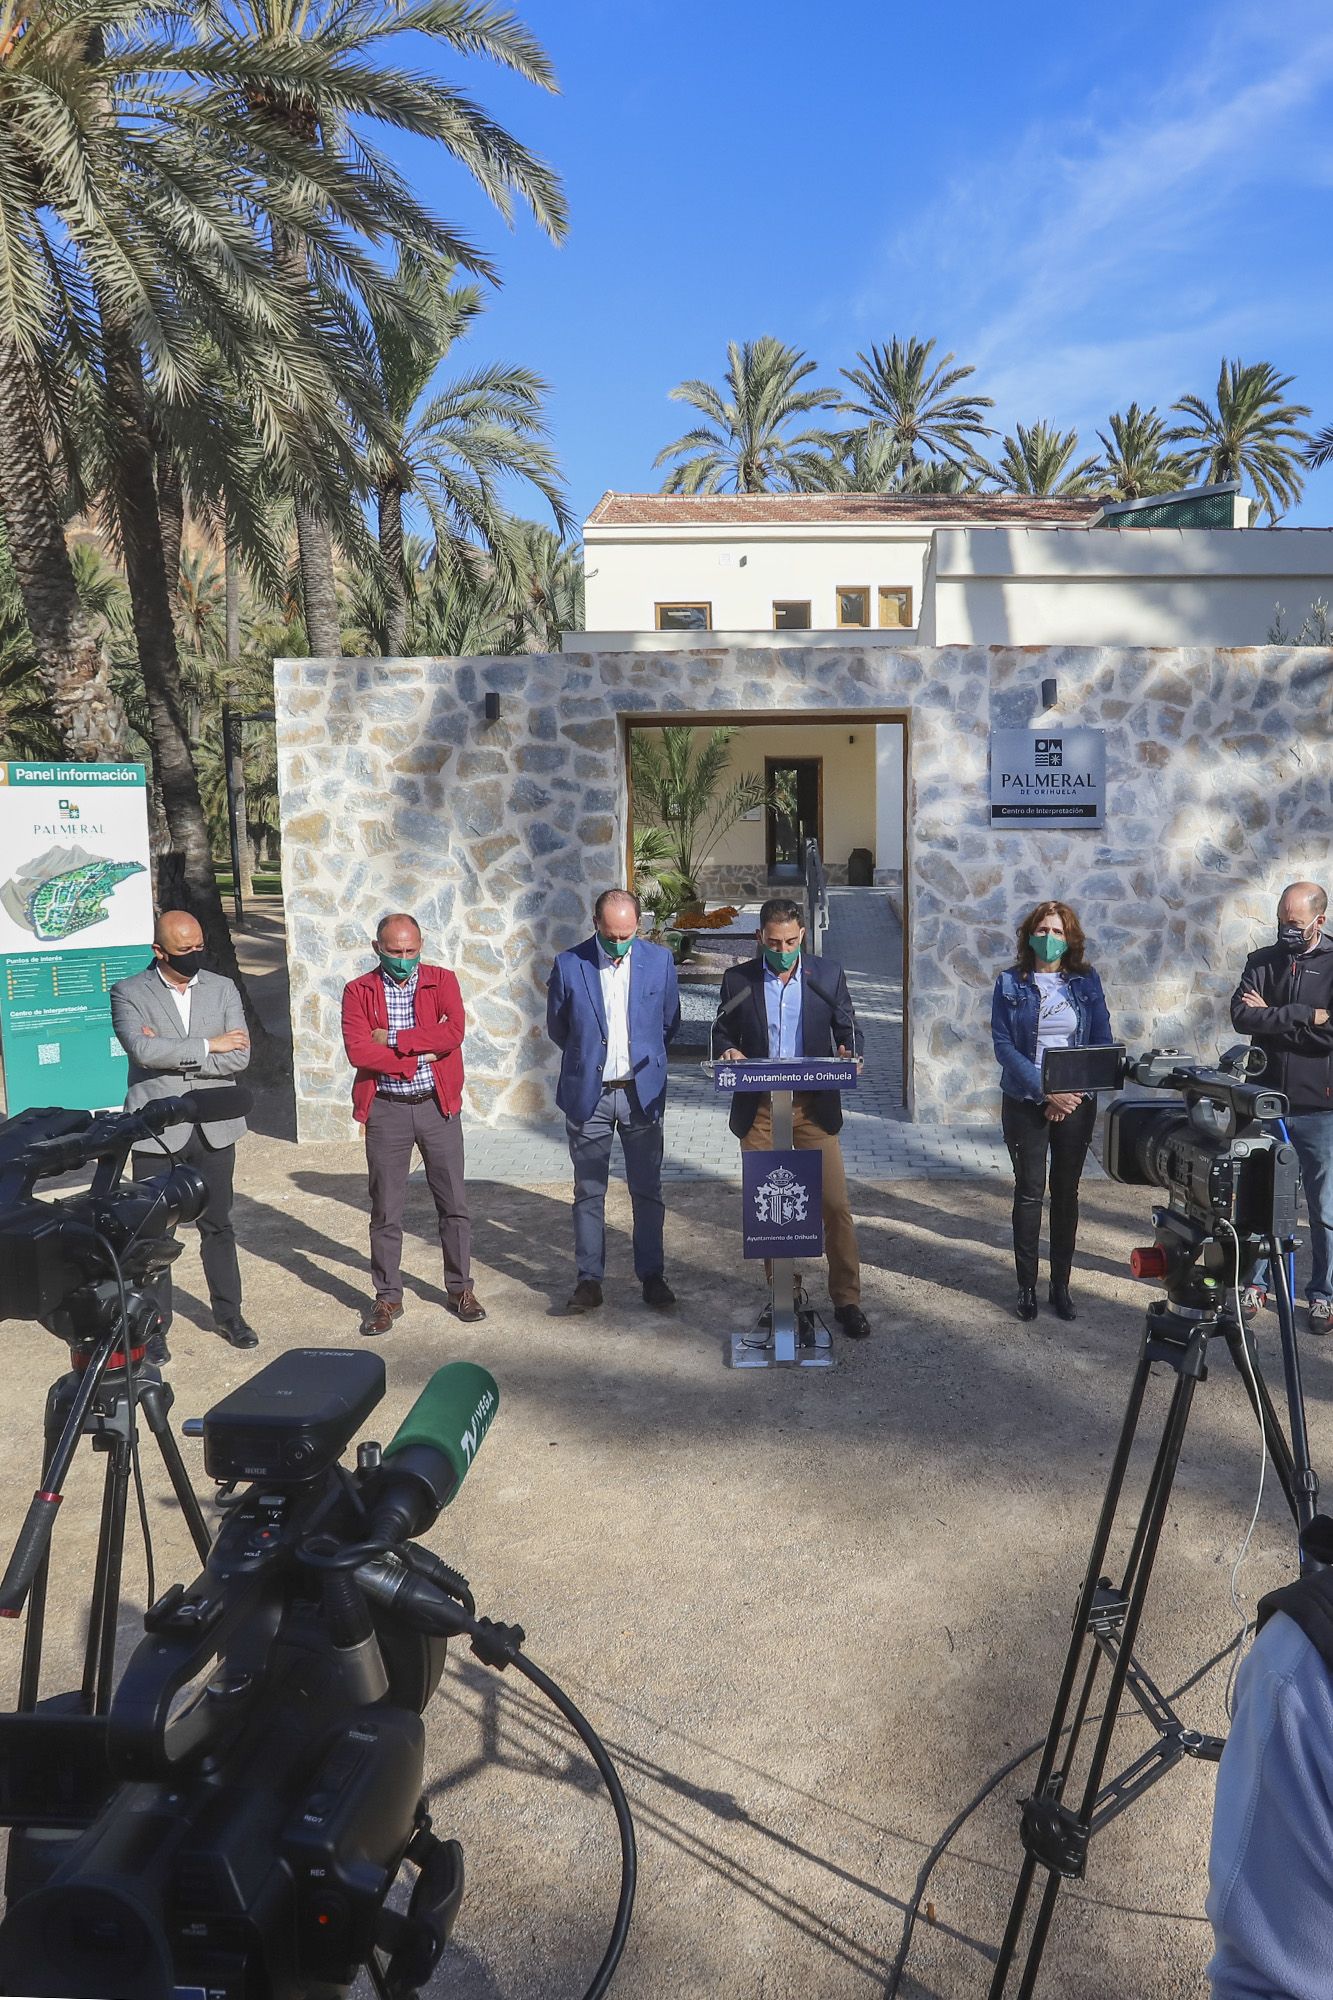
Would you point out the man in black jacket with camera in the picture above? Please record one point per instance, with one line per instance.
(1284, 1002)
(781, 1004)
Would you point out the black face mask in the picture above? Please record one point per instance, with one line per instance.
(1292, 938)
(187, 963)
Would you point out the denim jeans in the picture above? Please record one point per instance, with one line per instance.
(1311, 1133)
(590, 1150)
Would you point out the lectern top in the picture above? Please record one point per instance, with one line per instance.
(769, 1073)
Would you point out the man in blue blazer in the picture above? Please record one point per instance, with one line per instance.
(612, 1010)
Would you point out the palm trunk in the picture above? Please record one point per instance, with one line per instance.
(319, 592)
(389, 498)
(73, 668)
(188, 876)
(231, 570)
(171, 512)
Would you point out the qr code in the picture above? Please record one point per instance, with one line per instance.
(48, 1052)
(113, 1047)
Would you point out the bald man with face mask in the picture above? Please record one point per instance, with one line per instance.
(183, 1029)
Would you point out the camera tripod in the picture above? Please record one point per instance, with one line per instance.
(98, 1398)
(1056, 1834)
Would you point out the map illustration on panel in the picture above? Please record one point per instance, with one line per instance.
(63, 891)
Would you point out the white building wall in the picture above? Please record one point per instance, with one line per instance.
(741, 573)
(1122, 587)
(889, 768)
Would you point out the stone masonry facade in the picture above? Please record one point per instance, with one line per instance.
(397, 794)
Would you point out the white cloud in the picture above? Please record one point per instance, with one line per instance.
(1116, 252)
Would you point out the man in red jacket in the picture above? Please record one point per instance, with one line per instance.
(403, 1028)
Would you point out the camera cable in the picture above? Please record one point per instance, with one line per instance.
(132, 1398)
(1238, 1644)
(433, 1607)
(978, 1799)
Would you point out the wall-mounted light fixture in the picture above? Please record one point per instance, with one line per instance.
(1048, 693)
(492, 706)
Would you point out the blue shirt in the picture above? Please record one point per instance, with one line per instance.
(783, 1006)
(1270, 1872)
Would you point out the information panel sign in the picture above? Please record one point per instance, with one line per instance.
(782, 1203)
(1055, 777)
(76, 915)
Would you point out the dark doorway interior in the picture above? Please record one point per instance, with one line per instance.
(795, 813)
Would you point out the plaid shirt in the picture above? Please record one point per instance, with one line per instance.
(401, 1003)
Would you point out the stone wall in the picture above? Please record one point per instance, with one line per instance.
(396, 793)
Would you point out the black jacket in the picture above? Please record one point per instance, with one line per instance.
(828, 1023)
(1300, 1055)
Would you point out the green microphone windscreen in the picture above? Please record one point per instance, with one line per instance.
(451, 1415)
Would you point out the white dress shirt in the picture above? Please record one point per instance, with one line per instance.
(181, 996)
(615, 977)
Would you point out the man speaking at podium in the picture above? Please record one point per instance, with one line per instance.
(779, 1005)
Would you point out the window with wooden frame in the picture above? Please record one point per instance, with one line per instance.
(684, 617)
(895, 605)
(791, 614)
(854, 604)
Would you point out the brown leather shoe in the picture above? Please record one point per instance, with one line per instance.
(466, 1306)
(381, 1316)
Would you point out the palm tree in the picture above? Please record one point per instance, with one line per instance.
(747, 445)
(1037, 460)
(920, 409)
(684, 791)
(1251, 433)
(451, 453)
(348, 39)
(549, 588)
(1136, 462)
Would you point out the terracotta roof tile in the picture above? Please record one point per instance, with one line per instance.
(654, 510)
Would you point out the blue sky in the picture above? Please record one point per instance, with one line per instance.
(1090, 206)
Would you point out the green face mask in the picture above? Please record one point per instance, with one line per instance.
(614, 947)
(398, 968)
(782, 961)
(1049, 950)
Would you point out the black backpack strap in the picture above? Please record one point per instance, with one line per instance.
(1309, 1601)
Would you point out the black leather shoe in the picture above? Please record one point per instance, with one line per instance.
(235, 1332)
(1061, 1302)
(1027, 1302)
(156, 1351)
(585, 1297)
(657, 1292)
(852, 1321)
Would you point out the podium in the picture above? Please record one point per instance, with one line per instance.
(782, 1215)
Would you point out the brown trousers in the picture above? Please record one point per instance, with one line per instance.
(393, 1128)
(844, 1264)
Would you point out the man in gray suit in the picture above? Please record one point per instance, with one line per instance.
(183, 1029)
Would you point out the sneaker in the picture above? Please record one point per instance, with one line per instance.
(1321, 1316)
(657, 1292)
(1252, 1302)
(585, 1297)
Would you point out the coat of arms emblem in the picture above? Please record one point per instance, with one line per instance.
(781, 1199)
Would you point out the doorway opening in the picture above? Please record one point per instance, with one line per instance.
(793, 813)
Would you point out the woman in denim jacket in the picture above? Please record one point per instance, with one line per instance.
(1050, 998)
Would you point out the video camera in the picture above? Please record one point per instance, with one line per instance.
(54, 1262)
(232, 1818)
(1221, 1171)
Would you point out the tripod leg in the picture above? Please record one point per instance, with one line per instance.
(1043, 1787)
(1146, 1541)
(1246, 1360)
(155, 1402)
(30, 1672)
(104, 1615)
(1306, 1479)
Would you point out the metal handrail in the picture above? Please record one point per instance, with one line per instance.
(816, 893)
